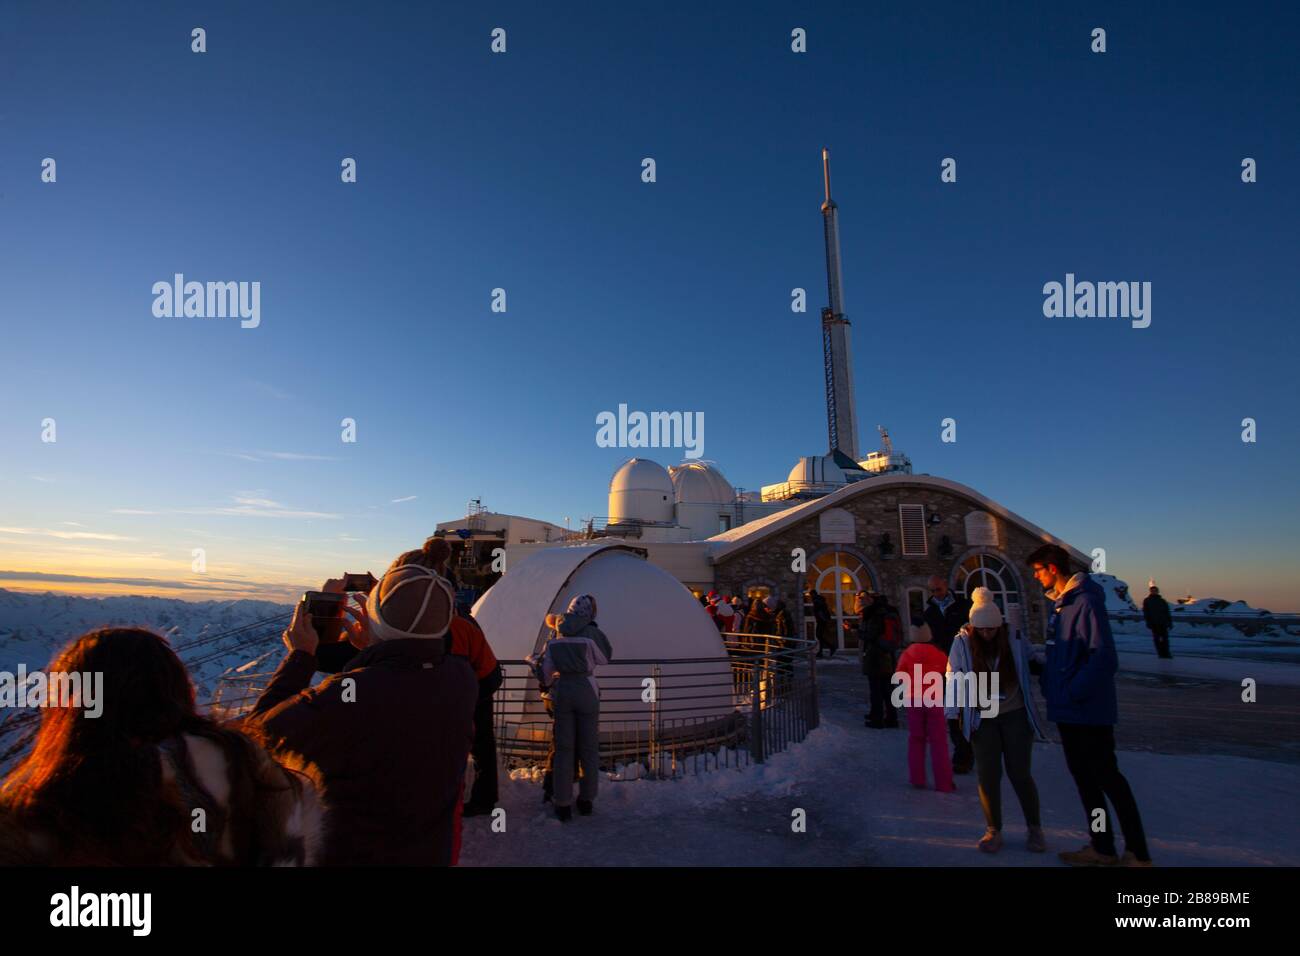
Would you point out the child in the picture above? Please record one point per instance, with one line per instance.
(925, 723)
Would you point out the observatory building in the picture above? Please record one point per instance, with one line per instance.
(840, 522)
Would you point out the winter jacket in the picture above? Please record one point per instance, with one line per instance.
(931, 660)
(758, 622)
(965, 710)
(390, 736)
(876, 657)
(1155, 611)
(1079, 672)
(781, 626)
(945, 621)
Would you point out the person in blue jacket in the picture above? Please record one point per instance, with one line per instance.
(1079, 686)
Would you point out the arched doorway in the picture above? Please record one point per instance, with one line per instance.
(838, 576)
(983, 570)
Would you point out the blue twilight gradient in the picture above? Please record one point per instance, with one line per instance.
(523, 171)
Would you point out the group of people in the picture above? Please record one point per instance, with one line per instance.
(765, 615)
(956, 639)
(366, 767)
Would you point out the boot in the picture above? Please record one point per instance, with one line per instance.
(1087, 856)
(548, 787)
(477, 809)
(565, 814)
(1130, 859)
(585, 808)
(1037, 843)
(991, 841)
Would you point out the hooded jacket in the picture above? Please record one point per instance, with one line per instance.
(390, 737)
(1079, 672)
(965, 711)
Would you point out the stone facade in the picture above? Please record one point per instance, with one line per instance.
(875, 512)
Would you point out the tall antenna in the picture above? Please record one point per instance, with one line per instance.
(841, 414)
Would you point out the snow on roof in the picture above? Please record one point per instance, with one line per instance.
(727, 543)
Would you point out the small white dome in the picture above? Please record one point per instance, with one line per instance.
(641, 490)
(700, 482)
(817, 470)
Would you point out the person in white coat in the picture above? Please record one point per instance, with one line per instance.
(1002, 729)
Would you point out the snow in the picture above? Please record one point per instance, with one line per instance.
(851, 782)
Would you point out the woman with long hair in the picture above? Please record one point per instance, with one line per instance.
(985, 649)
(150, 781)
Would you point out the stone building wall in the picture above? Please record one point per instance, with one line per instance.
(875, 512)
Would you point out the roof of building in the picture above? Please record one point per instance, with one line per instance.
(722, 546)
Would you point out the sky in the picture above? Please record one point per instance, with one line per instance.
(522, 171)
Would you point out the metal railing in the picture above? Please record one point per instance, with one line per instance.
(658, 718)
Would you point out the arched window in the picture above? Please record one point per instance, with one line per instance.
(989, 571)
(838, 576)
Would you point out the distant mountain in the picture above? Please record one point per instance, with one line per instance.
(33, 627)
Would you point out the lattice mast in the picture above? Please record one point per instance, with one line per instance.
(841, 412)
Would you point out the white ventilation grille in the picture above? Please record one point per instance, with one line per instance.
(911, 527)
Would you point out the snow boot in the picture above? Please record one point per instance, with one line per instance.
(1130, 859)
(585, 808)
(564, 814)
(476, 809)
(1037, 843)
(991, 841)
(1087, 856)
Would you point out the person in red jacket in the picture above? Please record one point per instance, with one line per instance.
(921, 670)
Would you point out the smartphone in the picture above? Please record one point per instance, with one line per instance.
(326, 612)
(365, 583)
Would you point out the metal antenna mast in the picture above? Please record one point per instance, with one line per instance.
(841, 413)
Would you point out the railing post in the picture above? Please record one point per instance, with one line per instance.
(654, 722)
(756, 742)
(815, 719)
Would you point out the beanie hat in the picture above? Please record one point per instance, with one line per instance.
(410, 601)
(983, 612)
(725, 609)
(920, 631)
(770, 601)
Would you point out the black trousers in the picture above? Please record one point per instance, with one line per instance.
(484, 749)
(1161, 639)
(880, 686)
(1090, 755)
(1006, 739)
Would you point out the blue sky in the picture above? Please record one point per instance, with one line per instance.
(522, 171)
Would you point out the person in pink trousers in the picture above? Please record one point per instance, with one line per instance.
(926, 723)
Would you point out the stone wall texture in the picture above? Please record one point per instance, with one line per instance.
(875, 513)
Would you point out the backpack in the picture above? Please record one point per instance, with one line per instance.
(890, 637)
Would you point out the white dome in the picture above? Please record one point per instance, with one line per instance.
(817, 470)
(646, 613)
(699, 482)
(641, 490)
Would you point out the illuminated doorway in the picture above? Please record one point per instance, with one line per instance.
(838, 576)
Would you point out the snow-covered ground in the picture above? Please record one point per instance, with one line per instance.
(851, 782)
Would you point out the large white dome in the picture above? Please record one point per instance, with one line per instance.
(641, 490)
(817, 470)
(647, 614)
(700, 482)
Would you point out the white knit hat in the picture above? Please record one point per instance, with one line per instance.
(920, 632)
(983, 612)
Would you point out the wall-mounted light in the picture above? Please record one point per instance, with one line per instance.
(935, 518)
(886, 547)
(945, 547)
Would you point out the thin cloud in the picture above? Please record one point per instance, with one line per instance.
(246, 505)
(69, 535)
(265, 456)
(398, 501)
